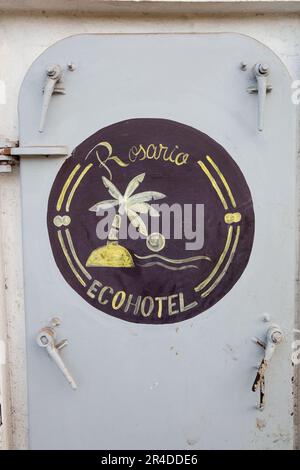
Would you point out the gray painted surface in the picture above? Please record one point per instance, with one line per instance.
(134, 390)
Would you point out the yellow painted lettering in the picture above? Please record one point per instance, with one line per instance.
(118, 299)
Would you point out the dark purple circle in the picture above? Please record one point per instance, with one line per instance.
(189, 168)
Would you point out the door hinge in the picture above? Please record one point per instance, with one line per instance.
(7, 161)
(10, 153)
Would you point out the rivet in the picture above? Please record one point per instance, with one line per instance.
(55, 321)
(71, 66)
(266, 317)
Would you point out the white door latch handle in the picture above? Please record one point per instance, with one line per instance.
(46, 339)
(274, 337)
(261, 72)
(53, 85)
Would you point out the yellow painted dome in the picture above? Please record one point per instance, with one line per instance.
(111, 255)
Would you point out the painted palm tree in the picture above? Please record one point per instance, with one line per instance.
(113, 254)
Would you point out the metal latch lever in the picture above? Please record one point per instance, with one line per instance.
(274, 337)
(261, 73)
(46, 339)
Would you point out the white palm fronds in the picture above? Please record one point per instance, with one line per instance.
(131, 205)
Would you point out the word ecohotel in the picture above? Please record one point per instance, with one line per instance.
(146, 306)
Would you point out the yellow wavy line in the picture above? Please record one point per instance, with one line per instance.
(219, 263)
(72, 248)
(220, 277)
(65, 252)
(76, 184)
(214, 183)
(65, 187)
(223, 179)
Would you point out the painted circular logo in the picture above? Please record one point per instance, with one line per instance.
(151, 221)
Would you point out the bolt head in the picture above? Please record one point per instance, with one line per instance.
(53, 71)
(44, 340)
(263, 68)
(50, 70)
(277, 337)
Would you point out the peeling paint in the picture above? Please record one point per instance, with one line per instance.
(260, 424)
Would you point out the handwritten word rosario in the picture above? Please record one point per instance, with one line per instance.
(156, 152)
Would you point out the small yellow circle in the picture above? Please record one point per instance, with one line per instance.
(57, 221)
(232, 218)
(66, 220)
(60, 221)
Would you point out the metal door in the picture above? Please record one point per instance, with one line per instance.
(179, 377)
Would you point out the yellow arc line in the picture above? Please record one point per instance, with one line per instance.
(65, 187)
(214, 183)
(76, 184)
(219, 263)
(223, 179)
(65, 252)
(72, 248)
(220, 277)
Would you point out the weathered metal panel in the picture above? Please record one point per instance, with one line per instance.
(161, 388)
